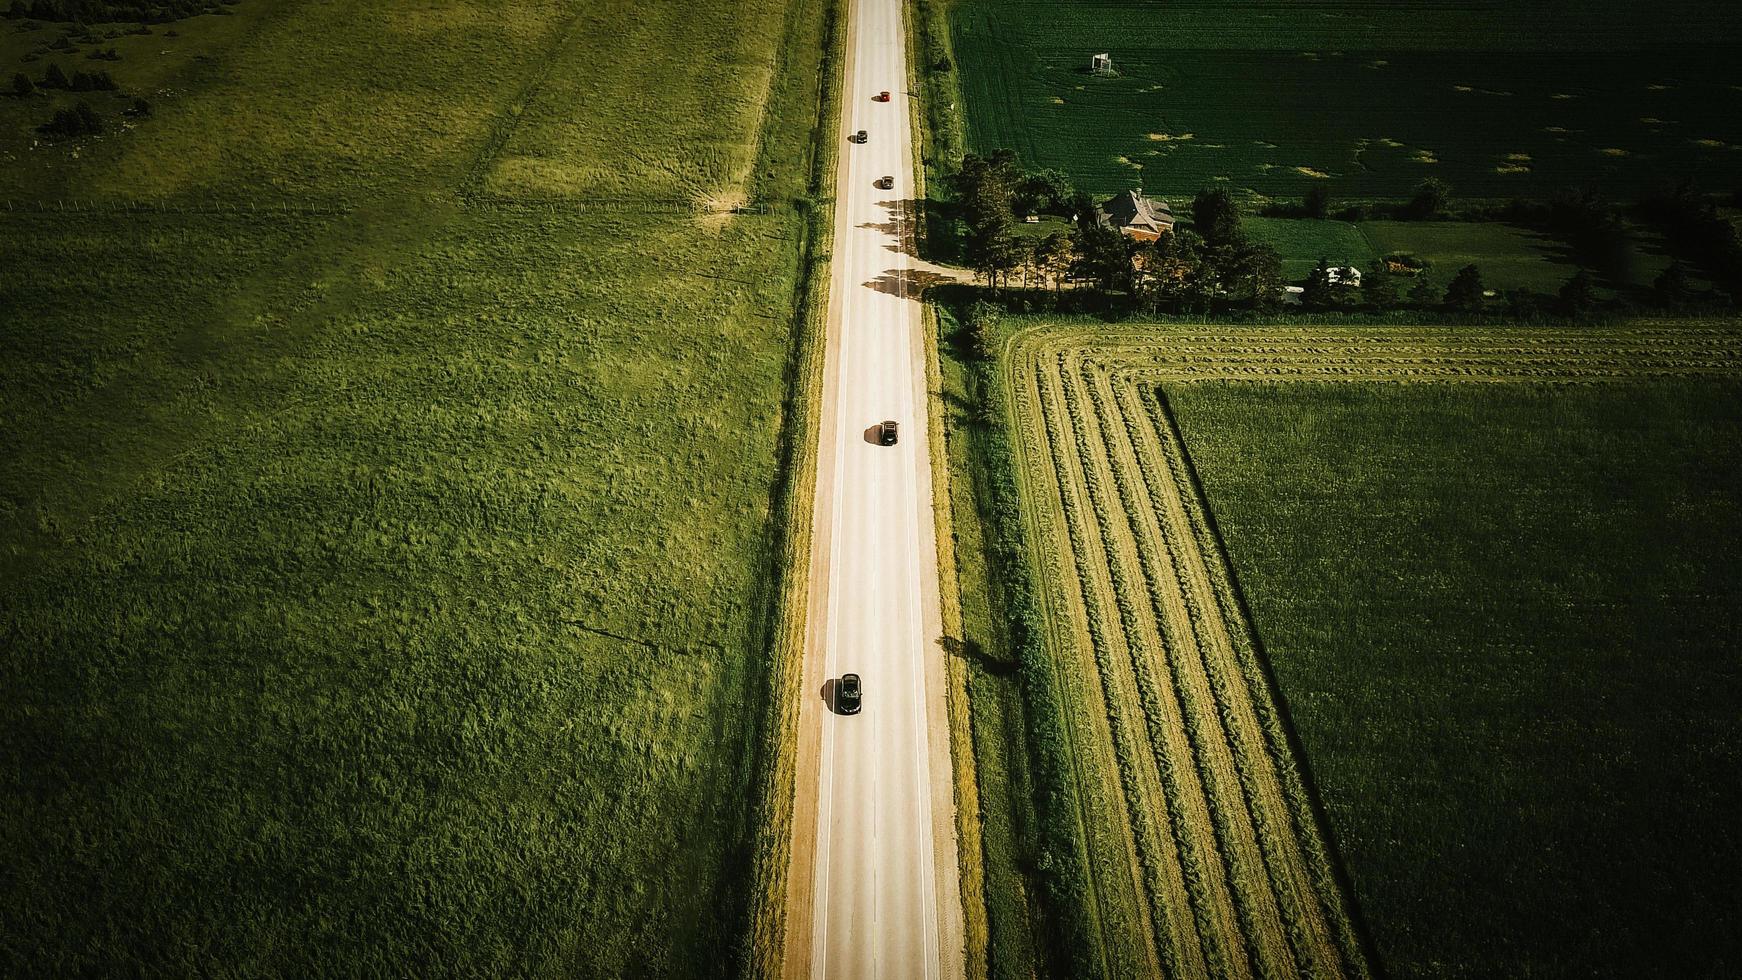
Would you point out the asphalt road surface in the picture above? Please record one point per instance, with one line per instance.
(884, 899)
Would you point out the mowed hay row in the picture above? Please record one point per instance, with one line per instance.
(1202, 829)
(1157, 661)
(1114, 891)
(1639, 349)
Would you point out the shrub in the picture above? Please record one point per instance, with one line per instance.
(1465, 292)
(22, 85)
(1429, 199)
(81, 120)
(1214, 216)
(54, 77)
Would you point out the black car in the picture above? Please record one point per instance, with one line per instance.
(885, 183)
(886, 433)
(848, 694)
(860, 137)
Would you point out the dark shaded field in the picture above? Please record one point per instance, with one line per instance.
(1504, 621)
(1498, 99)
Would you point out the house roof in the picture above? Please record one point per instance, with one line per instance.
(1130, 209)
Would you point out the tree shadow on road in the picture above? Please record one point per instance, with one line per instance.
(974, 653)
(908, 283)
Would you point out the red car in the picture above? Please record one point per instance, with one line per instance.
(880, 97)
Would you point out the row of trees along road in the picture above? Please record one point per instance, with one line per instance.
(1185, 271)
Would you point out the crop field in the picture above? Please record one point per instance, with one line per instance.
(1202, 847)
(1497, 99)
(385, 560)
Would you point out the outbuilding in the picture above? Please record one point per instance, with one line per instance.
(1135, 216)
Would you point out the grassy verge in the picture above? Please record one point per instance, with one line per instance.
(1017, 943)
(938, 122)
(773, 857)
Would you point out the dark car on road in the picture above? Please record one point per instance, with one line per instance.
(880, 97)
(886, 433)
(859, 137)
(884, 183)
(848, 695)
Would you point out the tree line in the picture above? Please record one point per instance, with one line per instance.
(1213, 265)
(110, 11)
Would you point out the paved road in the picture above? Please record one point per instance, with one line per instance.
(884, 900)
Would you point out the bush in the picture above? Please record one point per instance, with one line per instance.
(22, 85)
(97, 81)
(1465, 292)
(1214, 216)
(54, 77)
(1429, 200)
(1317, 203)
(81, 120)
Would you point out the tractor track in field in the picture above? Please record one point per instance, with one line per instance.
(1206, 852)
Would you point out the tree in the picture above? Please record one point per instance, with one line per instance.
(89, 121)
(1046, 191)
(1214, 216)
(1429, 199)
(140, 109)
(1317, 203)
(1103, 258)
(1423, 292)
(81, 120)
(1523, 304)
(1256, 269)
(1051, 256)
(983, 187)
(1378, 288)
(1317, 293)
(1465, 292)
(1672, 289)
(1578, 295)
(983, 319)
(1172, 269)
(22, 85)
(54, 77)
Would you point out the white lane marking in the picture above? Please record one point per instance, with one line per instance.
(825, 806)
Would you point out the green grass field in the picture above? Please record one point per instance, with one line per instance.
(385, 572)
(1503, 619)
(1508, 256)
(1367, 98)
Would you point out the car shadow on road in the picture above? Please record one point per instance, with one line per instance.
(830, 703)
(874, 435)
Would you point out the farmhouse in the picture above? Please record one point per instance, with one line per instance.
(1136, 216)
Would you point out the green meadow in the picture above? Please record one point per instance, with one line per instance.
(1510, 257)
(1503, 622)
(386, 540)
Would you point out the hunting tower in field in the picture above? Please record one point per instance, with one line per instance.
(1101, 64)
